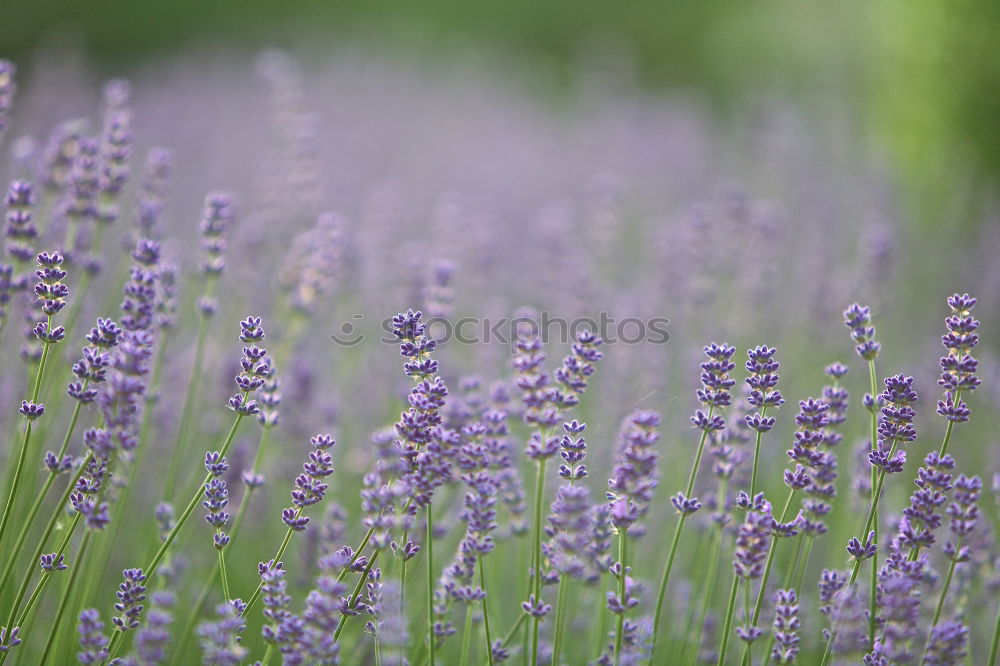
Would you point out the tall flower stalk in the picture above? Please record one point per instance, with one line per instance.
(714, 395)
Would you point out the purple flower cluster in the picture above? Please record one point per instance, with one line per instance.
(948, 644)
(963, 513)
(716, 385)
(221, 640)
(895, 426)
(92, 368)
(923, 515)
(8, 87)
(50, 295)
(131, 595)
(859, 319)
(255, 368)
(753, 540)
(21, 232)
(786, 627)
(310, 487)
(93, 640)
(763, 383)
(217, 498)
(216, 218)
(898, 597)
(634, 478)
(958, 366)
(816, 468)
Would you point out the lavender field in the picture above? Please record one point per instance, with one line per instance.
(361, 361)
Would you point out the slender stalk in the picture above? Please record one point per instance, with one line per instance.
(944, 588)
(64, 599)
(355, 594)
(709, 589)
(467, 635)
(756, 457)
(857, 566)
(950, 426)
(767, 573)
(665, 578)
(537, 556)
(430, 583)
(728, 626)
(486, 612)
(22, 455)
(161, 552)
(222, 573)
(275, 559)
(872, 594)
(40, 499)
(560, 612)
(623, 559)
(995, 645)
(20, 621)
(190, 396)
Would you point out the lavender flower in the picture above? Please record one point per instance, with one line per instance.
(958, 366)
(898, 598)
(152, 191)
(763, 382)
(634, 478)
(220, 640)
(895, 427)
(948, 644)
(92, 368)
(786, 628)
(716, 384)
(215, 502)
(216, 218)
(7, 89)
(964, 513)
(309, 485)
(131, 594)
(50, 295)
(752, 542)
(314, 263)
(922, 516)
(859, 320)
(21, 232)
(93, 640)
(152, 640)
(255, 368)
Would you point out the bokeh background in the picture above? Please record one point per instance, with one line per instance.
(744, 169)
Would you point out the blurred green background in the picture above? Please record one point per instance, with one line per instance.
(920, 77)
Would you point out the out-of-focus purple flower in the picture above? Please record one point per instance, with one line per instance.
(786, 628)
(152, 191)
(753, 541)
(152, 640)
(439, 293)
(8, 88)
(220, 640)
(958, 366)
(948, 644)
(93, 640)
(115, 147)
(859, 319)
(898, 602)
(635, 476)
(923, 516)
(22, 235)
(964, 513)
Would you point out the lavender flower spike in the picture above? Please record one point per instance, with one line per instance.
(8, 87)
(958, 366)
(786, 628)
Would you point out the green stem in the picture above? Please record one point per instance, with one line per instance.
(756, 456)
(728, 626)
(22, 455)
(20, 621)
(64, 599)
(430, 583)
(39, 500)
(995, 645)
(767, 574)
(665, 578)
(190, 396)
(275, 560)
(560, 612)
(486, 612)
(224, 576)
(467, 635)
(161, 552)
(537, 556)
(709, 588)
(622, 559)
(872, 595)
(950, 426)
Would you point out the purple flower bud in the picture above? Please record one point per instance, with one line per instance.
(860, 551)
